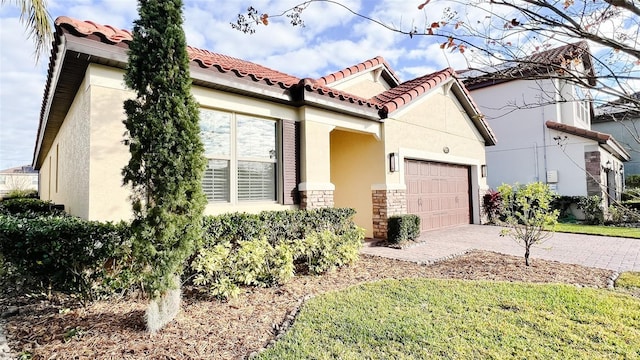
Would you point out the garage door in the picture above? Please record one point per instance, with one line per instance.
(438, 193)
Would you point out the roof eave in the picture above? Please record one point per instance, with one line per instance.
(326, 102)
(613, 147)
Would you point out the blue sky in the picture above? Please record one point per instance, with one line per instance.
(331, 40)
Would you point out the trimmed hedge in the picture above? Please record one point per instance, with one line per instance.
(61, 252)
(403, 228)
(93, 259)
(275, 225)
(269, 248)
(29, 207)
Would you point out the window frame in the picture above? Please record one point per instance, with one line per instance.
(233, 159)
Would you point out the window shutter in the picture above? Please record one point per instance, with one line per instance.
(290, 161)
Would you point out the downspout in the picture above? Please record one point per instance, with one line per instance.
(535, 160)
(544, 147)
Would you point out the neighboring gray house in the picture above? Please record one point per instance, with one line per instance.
(18, 178)
(621, 119)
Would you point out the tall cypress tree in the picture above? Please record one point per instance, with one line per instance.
(167, 156)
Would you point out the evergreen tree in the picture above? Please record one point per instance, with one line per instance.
(167, 161)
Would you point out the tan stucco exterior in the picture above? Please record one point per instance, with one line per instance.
(365, 85)
(64, 176)
(331, 146)
(357, 163)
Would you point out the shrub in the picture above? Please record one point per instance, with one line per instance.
(267, 248)
(29, 207)
(632, 194)
(492, 205)
(592, 208)
(632, 181)
(62, 252)
(403, 228)
(323, 251)
(619, 214)
(528, 212)
(563, 205)
(21, 194)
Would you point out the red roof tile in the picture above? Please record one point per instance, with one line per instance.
(533, 66)
(206, 59)
(588, 134)
(396, 97)
(382, 104)
(341, 74)
(317, 87)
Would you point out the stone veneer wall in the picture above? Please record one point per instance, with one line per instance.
(314, 199)
(592, 165)
(386, 203)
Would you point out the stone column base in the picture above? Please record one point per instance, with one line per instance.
(386, 203)
(315, 199)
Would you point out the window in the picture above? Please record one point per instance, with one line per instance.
(242, 157)
(581, 104)
(3, 179)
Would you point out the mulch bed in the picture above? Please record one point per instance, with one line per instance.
(57, 327)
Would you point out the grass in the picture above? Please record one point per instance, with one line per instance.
(453, 319)
(629, 280)
(599, 230)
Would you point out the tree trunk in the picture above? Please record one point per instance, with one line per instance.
(526, 255)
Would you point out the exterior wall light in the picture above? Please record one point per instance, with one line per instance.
(483, 171)
(394, 162)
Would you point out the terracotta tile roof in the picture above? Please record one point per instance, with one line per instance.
(533, 66)
(312, 85)
(588, 134)
(608, 141)
(206, 59)
(341, 74)
(395, 98)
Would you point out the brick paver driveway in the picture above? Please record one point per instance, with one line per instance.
(619, 254)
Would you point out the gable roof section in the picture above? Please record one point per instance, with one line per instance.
(339, 75)
(403, 94)
(397, 97)
(531, 67)
(606, 140)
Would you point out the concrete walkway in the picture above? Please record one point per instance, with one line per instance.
(619, 254)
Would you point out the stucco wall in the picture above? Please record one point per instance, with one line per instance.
(92, 153)
(64, 176)
(519, 155)
(568, 161)
(108, 197)
(357, 162)
(436, 128)
(365, 85)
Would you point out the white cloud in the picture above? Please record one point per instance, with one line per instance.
(332, 39)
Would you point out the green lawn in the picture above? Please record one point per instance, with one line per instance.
(452, 319)
(599, 230)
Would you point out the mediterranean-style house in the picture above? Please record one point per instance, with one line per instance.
(621, 118)
(543, 120)
(355, 138)
(18, 178)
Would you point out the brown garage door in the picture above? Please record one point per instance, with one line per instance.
(438, 193)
